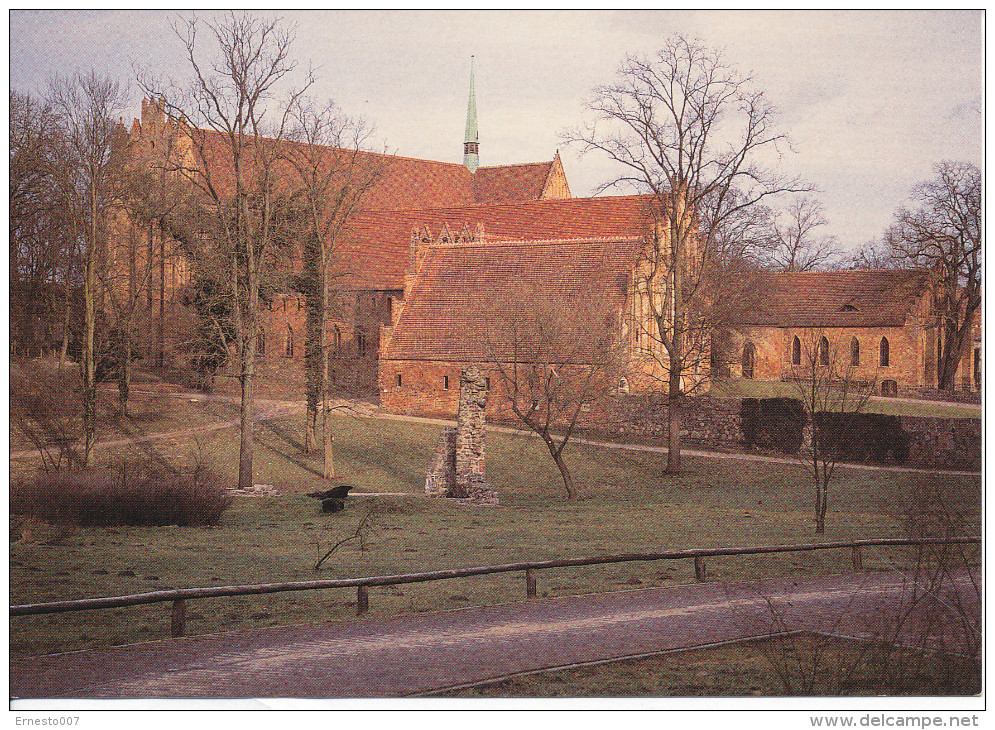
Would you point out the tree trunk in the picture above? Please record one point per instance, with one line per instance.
(312, 349)
(161, 319)
(675, 422)
(326, 432)
(63, 351)
(820, 506)
(124, 375)
(329, 472)
(89, 369)
(246, 424)
(557, 454)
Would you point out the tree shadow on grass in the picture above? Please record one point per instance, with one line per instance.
(294, 455)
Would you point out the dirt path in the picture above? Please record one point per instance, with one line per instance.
(270, 409)
(421, 653)
(266, 410)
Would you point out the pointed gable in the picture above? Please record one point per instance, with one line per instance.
(556, 185)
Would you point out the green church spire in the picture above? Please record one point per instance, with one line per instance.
(470, 143)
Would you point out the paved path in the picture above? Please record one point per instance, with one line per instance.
(418, 653)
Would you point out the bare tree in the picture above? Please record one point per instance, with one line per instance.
(832, 397)
(554, 360)
(793, 243)
(237, 127)
(873, 255)
(38, 244)
(943, 235)
(694, 133)
(334, 174)
(87, 107)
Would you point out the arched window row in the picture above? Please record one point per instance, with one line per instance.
(822, 354)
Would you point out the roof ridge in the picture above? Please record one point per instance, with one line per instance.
(515, 164)
(390, 155)
(488, 241)
(508, 204)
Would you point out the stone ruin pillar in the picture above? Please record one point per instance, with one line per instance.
(458, 467)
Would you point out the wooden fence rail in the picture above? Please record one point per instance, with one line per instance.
(179, 596)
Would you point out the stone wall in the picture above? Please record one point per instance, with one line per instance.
(458, 465)
(934, 443)
(710, 422)
(943, 443)
(442, 474)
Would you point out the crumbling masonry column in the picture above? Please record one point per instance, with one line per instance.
(458, 467)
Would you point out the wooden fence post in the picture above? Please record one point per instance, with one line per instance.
(362, 600)
(858, 563)
(179, 617)
(699, 568)
(530, 583)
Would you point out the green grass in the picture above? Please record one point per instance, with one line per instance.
(887, 406)
(627, 505)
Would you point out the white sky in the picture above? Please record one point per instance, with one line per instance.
(870, 99)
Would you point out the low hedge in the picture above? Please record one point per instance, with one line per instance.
(124, 495)
(862, 437)
(773, 423)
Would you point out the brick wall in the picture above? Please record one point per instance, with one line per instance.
(906, 353)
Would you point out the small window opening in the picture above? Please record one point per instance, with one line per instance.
(796, 351)
(445, 382)
(885, 353)
(398, 380)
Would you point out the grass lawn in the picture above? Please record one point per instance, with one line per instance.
(886, 406)
(626, 505)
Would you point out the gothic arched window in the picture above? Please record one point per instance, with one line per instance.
(854, 351)
(796, 351)
(824, 351)
(885, 353)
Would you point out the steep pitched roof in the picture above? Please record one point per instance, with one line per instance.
(864, 298)
(512, 183)
(458, 286)
(401, 182)
(375, 247)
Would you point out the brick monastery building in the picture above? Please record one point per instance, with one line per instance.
(435, 242)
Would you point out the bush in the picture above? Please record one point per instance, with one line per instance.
(777, 423)
(862, 436)
(128, 494)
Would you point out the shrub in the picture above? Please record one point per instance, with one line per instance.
(862, 436)
(777, 423)
(128, 494)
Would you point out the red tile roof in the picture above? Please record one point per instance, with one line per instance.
(459, 286)
(865, 298)
(375, 247)
(402, 182)
(512, 183)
